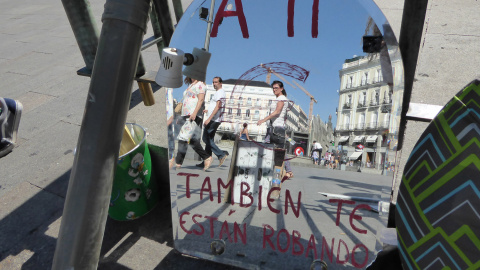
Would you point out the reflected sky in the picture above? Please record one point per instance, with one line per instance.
(341, 25)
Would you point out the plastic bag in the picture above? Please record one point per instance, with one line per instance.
(187, 131)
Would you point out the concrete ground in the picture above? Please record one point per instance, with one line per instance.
(38, 62)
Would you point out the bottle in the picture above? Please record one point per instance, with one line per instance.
(276, 177)
(276, 181)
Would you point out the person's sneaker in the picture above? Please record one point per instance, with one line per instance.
(200, 165)
(222, 159)
(9, 122)
(5, 147)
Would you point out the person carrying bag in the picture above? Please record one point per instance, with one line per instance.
(190, 121)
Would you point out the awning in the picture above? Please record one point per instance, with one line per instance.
(358, 139)
(372, 139)
(355, 155)
(343, 139)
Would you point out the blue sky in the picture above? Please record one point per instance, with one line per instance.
(341, 25)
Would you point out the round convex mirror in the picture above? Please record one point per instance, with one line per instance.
(284, 156)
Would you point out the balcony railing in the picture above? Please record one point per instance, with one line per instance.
(372, 125)
(387, 101)
(362, 104)
(377, 80)
(360, 126)
(374, 103)
(384, 124)
(386, 108)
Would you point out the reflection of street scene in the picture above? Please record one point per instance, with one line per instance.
(254, 210)
(252, 104)
(189, 122)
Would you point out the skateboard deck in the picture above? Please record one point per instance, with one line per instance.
(438, 206)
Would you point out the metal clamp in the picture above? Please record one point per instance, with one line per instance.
(217, 247)
(318, 265)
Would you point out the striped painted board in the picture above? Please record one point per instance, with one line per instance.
(438, 206)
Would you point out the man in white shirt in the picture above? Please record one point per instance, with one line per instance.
(213, 119)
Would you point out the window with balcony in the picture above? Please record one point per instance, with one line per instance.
(349, 82)
(249, 101)
(386, 120)
(256, 116)
(375, 98)
(348, 102)
(361, 121)
(373, 120)
(239, 113)
(387, 97)
(378, 76)
(247, 113)
(362, 99)
(365, 78)
(346, 121)
(240, 101)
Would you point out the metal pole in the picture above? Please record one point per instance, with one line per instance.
(178, 9)
(164, 21)
(209, 25)
(413, 19)
(84, 28)
(86, 32)
(88, 195)
(157, 33)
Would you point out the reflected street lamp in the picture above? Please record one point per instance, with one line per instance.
(169, 73)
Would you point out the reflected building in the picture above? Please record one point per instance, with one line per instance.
(369, 107)
(297, 119)
(322, 132)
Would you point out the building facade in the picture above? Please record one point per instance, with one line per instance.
(297, 119)
(322, 132)
(369, 105)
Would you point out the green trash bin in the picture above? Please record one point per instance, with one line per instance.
(134, 191)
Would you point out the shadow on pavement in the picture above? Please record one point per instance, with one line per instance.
(29, 232)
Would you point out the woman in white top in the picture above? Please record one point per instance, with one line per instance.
(276, 121)
(193, 99)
